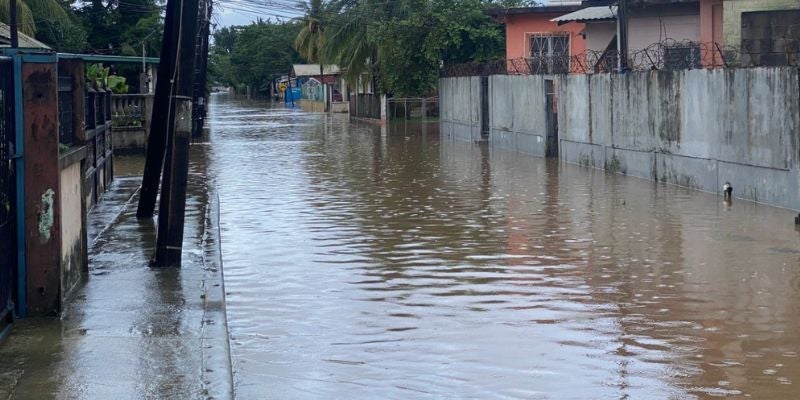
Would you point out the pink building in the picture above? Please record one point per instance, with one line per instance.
(532, 36)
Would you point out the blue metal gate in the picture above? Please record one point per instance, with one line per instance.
(7, 211)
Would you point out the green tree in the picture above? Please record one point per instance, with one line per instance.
(310, 41)
(225, 39)
(31, 11)
(121, 27)
(262, 51)
(400, 45)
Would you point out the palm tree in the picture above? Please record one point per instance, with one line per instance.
(310, 42)
(29, 11)
(352, 38)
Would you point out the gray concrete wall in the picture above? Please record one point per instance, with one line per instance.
(73, 231)
(695, 128)
(129, 139)
(459, 109)
(517, 110)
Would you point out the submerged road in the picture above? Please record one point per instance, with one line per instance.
(363, 263)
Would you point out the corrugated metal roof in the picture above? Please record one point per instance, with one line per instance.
(589, 14)
(313, 69)
(25, 41)
(500, 12)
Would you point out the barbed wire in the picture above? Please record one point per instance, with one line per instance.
(665, 55)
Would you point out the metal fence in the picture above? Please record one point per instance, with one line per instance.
(665, 55)
(66, 129)
(365, 106)
(415, 108)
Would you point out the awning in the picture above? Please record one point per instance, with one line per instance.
(600, 13)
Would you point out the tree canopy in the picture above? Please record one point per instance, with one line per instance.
(253, 54)
(92, 26)
(401, 45)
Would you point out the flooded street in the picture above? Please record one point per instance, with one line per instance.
(370, 263)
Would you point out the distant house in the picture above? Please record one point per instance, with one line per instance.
(655, 27)
(321, 91)
(25, 41)
(535, 43)
(764, 33)
(678, 34)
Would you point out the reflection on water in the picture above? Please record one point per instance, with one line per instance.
(363, 262)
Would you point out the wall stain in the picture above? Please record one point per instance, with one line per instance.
(46, 216)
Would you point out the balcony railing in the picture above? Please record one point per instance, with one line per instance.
(130, 110)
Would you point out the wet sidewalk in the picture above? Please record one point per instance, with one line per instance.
(128, 330)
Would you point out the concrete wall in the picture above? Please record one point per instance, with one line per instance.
(129, 139)
(459, 109)
(695, 128)
(73, 230)
(517, 110)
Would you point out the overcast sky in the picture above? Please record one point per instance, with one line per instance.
(227, 16)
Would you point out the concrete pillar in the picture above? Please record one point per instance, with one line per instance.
(42, 227)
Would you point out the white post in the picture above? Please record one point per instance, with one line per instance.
(383, 107)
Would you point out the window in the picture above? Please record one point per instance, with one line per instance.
(682, 56)
(549, 53)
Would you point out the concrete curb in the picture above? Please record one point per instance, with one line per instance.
(217, 374)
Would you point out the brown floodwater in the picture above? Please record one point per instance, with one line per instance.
(388, 263)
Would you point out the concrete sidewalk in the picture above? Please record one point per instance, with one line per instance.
(130, 331)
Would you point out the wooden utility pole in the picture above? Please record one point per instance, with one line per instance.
(201, 68)
(160, 114)
(169, 243)
(12, 23)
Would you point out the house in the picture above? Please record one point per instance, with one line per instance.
(322, 92)
(535, 43)
(661, 33)
(25, 41)
(759, 32)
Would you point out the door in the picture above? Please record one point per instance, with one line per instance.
(7, 212)
(551, 118)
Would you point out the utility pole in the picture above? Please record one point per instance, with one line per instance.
(201, 67)
(169, 242)
(12, 23)
(622, 35)
(161, 114)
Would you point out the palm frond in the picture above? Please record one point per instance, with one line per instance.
(25, 19)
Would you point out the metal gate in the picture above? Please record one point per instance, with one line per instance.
(7, 211)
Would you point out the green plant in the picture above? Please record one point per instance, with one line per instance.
(117, 84)
(97, 75)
